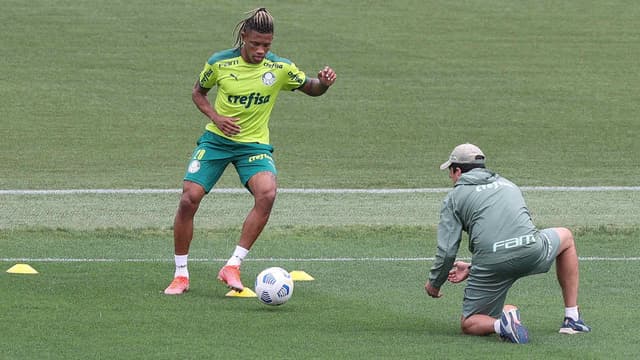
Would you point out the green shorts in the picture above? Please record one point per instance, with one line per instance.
(213, 153)
(487, 285)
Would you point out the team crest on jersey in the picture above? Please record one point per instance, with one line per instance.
(194, 166)
(268, 78)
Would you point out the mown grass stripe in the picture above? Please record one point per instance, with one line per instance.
(341, 259)
(307, 191)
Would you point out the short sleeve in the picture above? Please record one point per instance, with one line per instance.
(207, 77)
(295, 78)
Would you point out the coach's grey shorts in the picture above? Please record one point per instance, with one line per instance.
(487, 285)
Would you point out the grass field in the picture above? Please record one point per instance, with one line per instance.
(96, 95)
(370, 305)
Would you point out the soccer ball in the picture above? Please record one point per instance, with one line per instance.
(274, 286)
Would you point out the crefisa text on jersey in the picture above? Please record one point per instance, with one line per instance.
(248, 100)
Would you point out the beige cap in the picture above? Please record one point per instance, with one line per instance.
(464, 154)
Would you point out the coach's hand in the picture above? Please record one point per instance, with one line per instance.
(432, 291)
(459, 272)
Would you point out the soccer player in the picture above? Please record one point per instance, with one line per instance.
(248, 78)
(505, 247)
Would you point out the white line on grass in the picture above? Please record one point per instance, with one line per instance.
(306, 191)
(340, 259)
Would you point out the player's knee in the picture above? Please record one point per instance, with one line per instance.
(187, 206)
(265, 192)
(190, 201)
(266, 197)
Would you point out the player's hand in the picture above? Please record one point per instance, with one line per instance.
(327, 76)
(459, 272)
(432, 291)
(227, 125)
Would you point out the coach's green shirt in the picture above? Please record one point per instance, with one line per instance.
(492, 210)
(248, 91)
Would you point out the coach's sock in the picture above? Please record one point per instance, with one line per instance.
(572, 312)
(181, 266)
(238, 255)
(496, 326)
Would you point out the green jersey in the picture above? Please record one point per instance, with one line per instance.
(492, 210)
(248, 91)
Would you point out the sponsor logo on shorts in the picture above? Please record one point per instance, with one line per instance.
(513, 243)
(260, 157)
(194, 166)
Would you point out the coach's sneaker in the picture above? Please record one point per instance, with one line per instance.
(570, 326)
(511, 329)
(179, 285)
(230, 275)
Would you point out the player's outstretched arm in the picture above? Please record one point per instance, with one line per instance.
(320, 85)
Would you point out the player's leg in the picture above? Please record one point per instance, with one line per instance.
(201, 176)
(257, 171)
(192, 194)
(263, 187)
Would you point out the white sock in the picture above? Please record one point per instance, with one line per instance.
(572, 312)
(181, 266)
(496, 326)
(238, 255)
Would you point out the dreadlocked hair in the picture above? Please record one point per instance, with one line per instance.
(259, 20)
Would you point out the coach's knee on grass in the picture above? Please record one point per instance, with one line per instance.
(467, 326)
